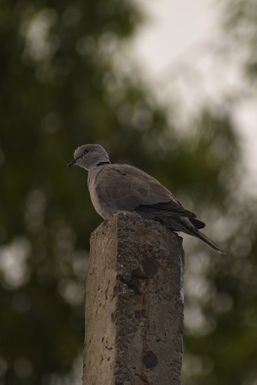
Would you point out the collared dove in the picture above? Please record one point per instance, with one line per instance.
(121, 187)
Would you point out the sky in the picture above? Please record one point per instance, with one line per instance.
(172, 28)
(179, 35)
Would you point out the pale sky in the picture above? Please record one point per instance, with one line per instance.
(173, 27)
(180, 33)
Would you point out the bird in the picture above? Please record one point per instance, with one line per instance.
(121, 187)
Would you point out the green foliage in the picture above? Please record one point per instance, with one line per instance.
(62, 86)
(241, 21)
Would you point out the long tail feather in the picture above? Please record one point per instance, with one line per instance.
(192, 230)
(179, 223)
(208, 241)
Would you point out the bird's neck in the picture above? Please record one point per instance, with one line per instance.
(101, 162)
(98, 164)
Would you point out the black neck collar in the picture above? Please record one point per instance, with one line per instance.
(104, 162)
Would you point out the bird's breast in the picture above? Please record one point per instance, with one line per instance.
(98, 202)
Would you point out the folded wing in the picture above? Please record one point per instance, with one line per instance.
(124, 187)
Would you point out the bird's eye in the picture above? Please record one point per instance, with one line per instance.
(85, 152)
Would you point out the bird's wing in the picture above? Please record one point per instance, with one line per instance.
(168, 213)
(124, 187)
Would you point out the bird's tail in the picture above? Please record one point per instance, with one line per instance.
(208, 241)
(180, 223)
(189, 228)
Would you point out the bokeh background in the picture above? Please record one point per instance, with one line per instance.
(71, 74)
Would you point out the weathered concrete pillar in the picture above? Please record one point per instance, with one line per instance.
(134, 304)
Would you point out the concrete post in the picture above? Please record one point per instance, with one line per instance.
(134, 304)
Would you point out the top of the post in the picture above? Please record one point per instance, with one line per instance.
(128, 223)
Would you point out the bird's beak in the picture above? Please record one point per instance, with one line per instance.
(72, 163)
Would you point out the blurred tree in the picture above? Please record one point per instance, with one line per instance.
(221, 342)
(240, 23)
(66, 80)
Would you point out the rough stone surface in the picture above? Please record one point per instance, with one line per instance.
(134, 304)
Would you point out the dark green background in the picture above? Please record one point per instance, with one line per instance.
(62, 86)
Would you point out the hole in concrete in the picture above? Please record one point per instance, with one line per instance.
(150, 267)
(150, 360)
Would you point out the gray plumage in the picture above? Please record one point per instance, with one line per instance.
(121, 187)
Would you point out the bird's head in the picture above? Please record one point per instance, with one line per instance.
(89, 156)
